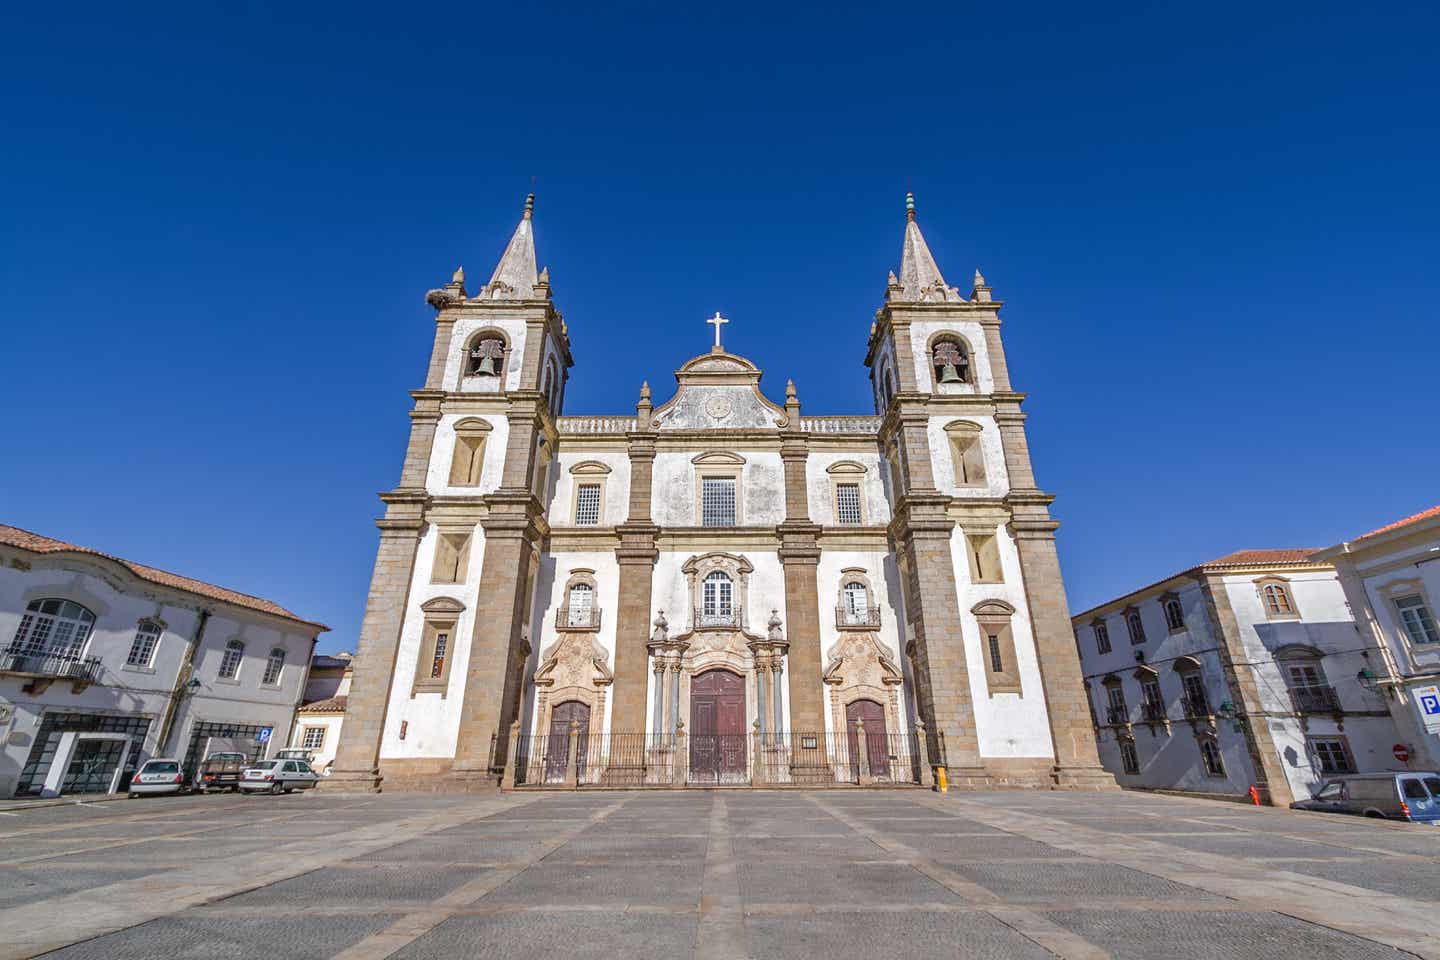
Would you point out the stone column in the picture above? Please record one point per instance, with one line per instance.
(800, 557)
(778, 701)
(657, 724)
(1077, 760)
(675, 693)
(1271, 782)
(761, 701)
(357, 758)
(636, 555)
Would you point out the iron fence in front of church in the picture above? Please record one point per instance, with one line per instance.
(562, 759)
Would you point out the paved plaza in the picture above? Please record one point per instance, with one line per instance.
(733, 874)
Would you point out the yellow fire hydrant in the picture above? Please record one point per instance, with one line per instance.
(941, 783)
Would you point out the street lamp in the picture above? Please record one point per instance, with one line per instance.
(1367, 679)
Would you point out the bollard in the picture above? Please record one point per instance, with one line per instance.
(942, 783)
(572, 763)
(509, 781)
(862, 762)
(678, 767)
(922, 748)
(1254, 795)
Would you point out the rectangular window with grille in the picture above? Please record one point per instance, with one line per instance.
(587, 505)
(142, 647)
(847, 504)
(717, 502)
(314, 738)
(1333, 755)
(997, 663)
(437, 660)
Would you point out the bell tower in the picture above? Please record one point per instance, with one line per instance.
(498, 366)
(964, 530)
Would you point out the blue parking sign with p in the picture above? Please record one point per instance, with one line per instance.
(263, 735)
(1430, 705)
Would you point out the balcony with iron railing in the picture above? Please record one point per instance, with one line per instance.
(45, 667)
(866, 619)
(577, 618)
(1315, 698)
(1196, 707)
(1153, 712)
(717, 616)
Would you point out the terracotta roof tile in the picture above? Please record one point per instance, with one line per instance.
(1250, 558)
(1415, 518)
(332, 705)
(35, 543)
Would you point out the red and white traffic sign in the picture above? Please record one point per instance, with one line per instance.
(1402, 752)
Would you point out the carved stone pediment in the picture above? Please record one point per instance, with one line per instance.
(859, 659)
(719, 391)
(574, 660)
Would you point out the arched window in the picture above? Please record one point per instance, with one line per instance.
(273, 665)
(486, 355)
(54, 628)
(1194, 701)
(951, 360)
(717, 598)
(887, 389)
(1102, 636)
(582, 604)
(1129, 759)
(1275, 595)
(1174, 614)
(143, 644)
(1210, 757)
(230, 662)
(1135, 627)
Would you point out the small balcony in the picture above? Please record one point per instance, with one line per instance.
(1117, 715)
(44, 668)
(847, 619)
(577, 618)
(1196, 708)
(718, 617)
(1153, 713)
(1315, 698)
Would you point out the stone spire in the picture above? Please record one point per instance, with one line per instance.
(920, 277)
(515, 274)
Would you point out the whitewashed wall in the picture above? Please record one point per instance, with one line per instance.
(762, 499)
(974, 335)
(442, 454)
(997, 478)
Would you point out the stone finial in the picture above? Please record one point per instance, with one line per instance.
(980, 291)
(892, 280)
(458, 276)
(644, 389)
(544, 276)
(909, 206)
(789, 389)
(643, 407)
(662, 629)
(774, 626)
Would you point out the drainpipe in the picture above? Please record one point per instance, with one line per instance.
(300, 697)
(182, 677)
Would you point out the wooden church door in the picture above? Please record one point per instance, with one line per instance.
(717, 726)
(877, 742)
(557, 752)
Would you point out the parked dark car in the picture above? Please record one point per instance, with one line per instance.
(221, 771)
(1394, 796)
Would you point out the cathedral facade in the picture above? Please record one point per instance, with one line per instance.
(716, 588)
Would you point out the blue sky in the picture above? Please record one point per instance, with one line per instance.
(1214, 227)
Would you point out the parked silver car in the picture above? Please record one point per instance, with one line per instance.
(1394, 796)
(157, 776)
(278, 776)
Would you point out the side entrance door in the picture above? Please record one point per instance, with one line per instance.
(877, 740)
(557, 751)
(717, 725)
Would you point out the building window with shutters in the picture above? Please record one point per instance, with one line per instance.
(1102, 636)
(856, 608)
(1332, 755)
(579, 608)
(274, 666)
(1174, 614)
(144, 644)
(1276, 598)
(1416, 619)
(1135, 626)
(1129, 759)
(230, 661)
(1210, 756)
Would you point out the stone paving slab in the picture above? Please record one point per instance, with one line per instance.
(1047, 882)
(1147, 935)
(20, 885)
(870, 884)
(581, 935)
(435, 849)
(1251, 845)
(621, 883)
(373, 883)
(863, 934)
(1418, 880)
(294, 937)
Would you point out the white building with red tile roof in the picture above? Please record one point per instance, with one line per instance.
(1391, 578)
(105, 662)
(1236, 672)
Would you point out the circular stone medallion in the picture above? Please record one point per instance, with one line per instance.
(718, 407)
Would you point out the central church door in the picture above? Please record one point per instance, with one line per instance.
(557, 751)
(717, 726)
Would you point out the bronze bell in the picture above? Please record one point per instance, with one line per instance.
(487, 366)
(948, 374)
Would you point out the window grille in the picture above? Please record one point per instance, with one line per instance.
(582, 604)
(717, 502)
(437, 660)
(1333, 756)
(230, 662)
(847, 503)
(997, 664)
(314, 738)
(273, 665)
(142, 647)
(587, 505)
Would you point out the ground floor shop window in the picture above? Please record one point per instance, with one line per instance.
(200, 733)
(1210, 757)
(47, 741)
